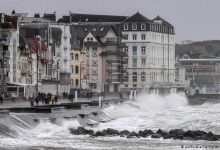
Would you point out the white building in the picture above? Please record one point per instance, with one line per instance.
(61, 48)
(151, 52)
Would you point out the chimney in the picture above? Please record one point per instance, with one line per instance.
(2, 18)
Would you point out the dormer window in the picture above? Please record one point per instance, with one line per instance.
(125, 26)
(134, 26)
(89, 38)
(143, 26)
(94, 29)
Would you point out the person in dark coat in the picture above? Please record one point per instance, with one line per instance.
(1, 99)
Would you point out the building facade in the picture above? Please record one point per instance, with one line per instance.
(202, 75)
(151, 52)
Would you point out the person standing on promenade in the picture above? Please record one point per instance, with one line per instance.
(1, 99)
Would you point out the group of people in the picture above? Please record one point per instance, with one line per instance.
(44, 98)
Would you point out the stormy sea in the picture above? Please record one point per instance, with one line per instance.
(147, 112)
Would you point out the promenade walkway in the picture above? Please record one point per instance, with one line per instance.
(26, 103)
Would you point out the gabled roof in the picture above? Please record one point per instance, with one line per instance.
(138, 17)
(164, 22)
(79, 32)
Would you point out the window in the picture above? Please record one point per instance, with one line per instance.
(94, 51)
(143, 50)
(125, 50)
(143, 36)
(134, 62)
(125, 36)
(77, 82)
(72, 69)
(71, 82)
(125, 26)
(76, 69)
(134, 77)
(143, 60)
(71, 55)
(89, 39)
(143, 76)
(134, 36)
(134, 26)
(143, 26)
(134, 50)
(76, 57)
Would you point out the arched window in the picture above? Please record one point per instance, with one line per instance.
(71, 82)
(77, 82)
(76, 57)
(71, 55)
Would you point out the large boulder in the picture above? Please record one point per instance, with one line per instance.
(211, 137)
(177, 132)
(124, 133)
(156, 135)
(110, 131)
(188, 133)
(81, 131)
(98, 133)
(132, 135)
(161, 132)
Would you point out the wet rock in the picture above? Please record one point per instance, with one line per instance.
(161, 132)
(156, 135)
(145, 133)
(142, 134)
(211, 137)
(110, 131)
(188, 133)
(198, 133)
(98, 133)
(178, 137)
(81, 131)
(168, 136)
(177, 132)
(124, 133)
(132, 135)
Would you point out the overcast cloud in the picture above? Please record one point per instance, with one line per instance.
(193, 19)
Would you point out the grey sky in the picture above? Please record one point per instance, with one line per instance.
(193, 19)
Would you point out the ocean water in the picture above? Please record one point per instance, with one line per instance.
(147, 112)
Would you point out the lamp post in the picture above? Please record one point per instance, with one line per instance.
(57, 77)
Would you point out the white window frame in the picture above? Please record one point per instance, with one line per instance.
(134, 36)
(143, 26)
(125, 26)
(143, 35)
(134, 26)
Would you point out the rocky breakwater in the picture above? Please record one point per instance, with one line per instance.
(172, 134)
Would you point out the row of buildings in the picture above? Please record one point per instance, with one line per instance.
(100, 53)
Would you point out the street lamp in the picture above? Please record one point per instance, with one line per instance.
(57, 76)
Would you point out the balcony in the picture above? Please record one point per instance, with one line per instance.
(118, 53)
(4, 54)
(113, 81)
(44, 60)
(4, 41)
(114, 61)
